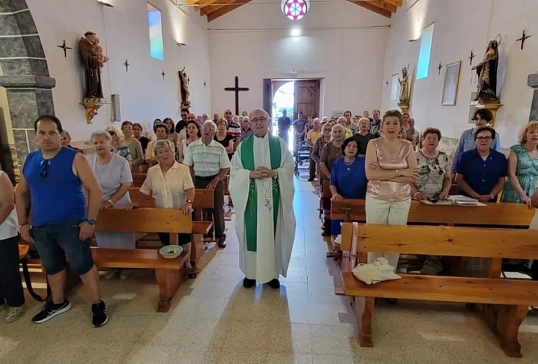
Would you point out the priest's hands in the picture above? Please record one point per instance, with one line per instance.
(262, 173)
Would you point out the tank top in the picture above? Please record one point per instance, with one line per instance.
(390, 190)
(10, 227)
(58, 197)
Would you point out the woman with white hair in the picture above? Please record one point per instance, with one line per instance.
(117, 146)
(114, 175)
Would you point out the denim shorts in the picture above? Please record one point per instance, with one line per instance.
(55, 242)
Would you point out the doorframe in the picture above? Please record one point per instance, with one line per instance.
(321, 80)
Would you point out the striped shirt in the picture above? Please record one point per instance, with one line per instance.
(207, 160)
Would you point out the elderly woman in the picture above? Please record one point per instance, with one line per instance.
(391, 165)
(346, 124)
(348, 178)
(137, 132)
(170, 184)
(320, 143)
(434, 180)
(11, 293)
(225, 139)
(116, 144)
(330, 152)
(135, 148)
(193, 134)
(66, 141)
(161, 131)
(114, 176)
(522, 167)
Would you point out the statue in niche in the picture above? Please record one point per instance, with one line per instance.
(184, 82)
(101, 58)
(487, 74)
(92, 67)
(404, 88)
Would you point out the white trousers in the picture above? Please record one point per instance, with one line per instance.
(386, 213)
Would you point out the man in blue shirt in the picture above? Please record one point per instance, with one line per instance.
(467, 140)
(51, 185)
(482, 171)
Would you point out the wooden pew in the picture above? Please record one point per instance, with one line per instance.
(494, 214)
(138, 179)
(502, 303)
(203, 199)
(169, 272)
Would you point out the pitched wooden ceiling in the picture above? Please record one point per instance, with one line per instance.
(214, 9)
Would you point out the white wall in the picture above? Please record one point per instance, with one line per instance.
(123, 33)
(462, 25)
(341, 42)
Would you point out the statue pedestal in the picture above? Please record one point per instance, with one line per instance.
(532, 81)
(491, 106)
(92, 106)
(404, 107)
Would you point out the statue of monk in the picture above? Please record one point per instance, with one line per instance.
(487, 74)
(404, 87)
(92, 68)
(184, 80)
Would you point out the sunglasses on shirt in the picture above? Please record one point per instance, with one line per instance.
(45, 163)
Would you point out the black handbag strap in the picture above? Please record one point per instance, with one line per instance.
(27, 279)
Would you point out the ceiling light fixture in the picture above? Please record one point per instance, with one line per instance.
(295, 32)
(106, 3)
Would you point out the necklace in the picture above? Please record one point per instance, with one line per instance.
(349, 163)
(267, 195)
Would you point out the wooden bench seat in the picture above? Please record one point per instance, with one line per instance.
(169, 272)
(502, 303)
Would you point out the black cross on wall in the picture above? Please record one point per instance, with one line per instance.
(236, 89)
(65, 48)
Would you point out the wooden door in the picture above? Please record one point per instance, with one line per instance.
(307, 98)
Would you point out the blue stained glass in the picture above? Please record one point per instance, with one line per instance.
(425, 52)
(156, 44)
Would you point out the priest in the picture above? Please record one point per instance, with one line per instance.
(261, 186)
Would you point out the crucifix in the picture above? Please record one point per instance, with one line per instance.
(163, 74)
(471, 57)
(65, 48)
(439, 68)
(236, 89)
(523, 38)
(126, 64)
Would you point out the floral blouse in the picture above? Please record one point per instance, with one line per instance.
(123, 151)
(433, 172)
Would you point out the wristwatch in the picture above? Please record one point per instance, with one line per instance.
(491, 197)
(276, 175)
(110, 202)
(189, 201)
(90, 221)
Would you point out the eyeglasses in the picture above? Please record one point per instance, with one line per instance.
(484, 138)
(258, 120)
(327, 129)
(227, 113)
(45, 163)
(111, 133)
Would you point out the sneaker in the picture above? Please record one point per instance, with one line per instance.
(99, 314)
(13, 314)
(110, 274)
(124, 274)
(49, 310)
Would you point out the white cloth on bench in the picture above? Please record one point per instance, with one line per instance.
(375, 272)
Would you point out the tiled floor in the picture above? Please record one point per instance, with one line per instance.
(215, 320)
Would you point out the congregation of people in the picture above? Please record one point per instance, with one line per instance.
(383, 160)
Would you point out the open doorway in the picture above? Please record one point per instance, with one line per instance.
(284, 103)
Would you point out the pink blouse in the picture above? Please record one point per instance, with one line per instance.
(389, 190)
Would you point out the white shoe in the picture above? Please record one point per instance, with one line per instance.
(13, 314)
(124, 274)
(110, 274)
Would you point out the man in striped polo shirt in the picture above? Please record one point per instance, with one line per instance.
(209, 163)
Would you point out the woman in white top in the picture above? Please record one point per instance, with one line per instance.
(193, 134)
(170, 184)
(11, 293)
(115, 178)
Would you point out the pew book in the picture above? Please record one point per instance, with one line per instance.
(458, 200)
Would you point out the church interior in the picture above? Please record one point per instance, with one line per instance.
(444, 65)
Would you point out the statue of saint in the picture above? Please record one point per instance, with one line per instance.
(487, 74)
(184, 81)
(404, 87)
(92, 67)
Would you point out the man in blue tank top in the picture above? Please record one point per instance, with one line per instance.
(51, 186)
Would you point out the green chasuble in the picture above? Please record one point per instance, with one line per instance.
(251, 211)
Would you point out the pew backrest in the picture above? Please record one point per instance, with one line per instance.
(203, 198)
(494, 214)
(443, 240)
(145, 220)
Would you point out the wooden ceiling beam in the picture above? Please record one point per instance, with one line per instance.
(397, 3)
(226, 9)
(376, 9)
(202, 4)
(192, 2)
(383, 4)
(206, 10)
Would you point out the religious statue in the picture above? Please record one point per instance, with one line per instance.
(101, 58)
(184, 81)
(404, 88)
(487, 74)
(92, 67)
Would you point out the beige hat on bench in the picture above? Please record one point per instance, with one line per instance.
(375, 272)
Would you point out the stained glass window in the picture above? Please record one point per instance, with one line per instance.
(295, 9)
(156, 46)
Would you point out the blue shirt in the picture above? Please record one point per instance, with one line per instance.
(56, 197)
(482, 175)
(467, 142)
(350, 180)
